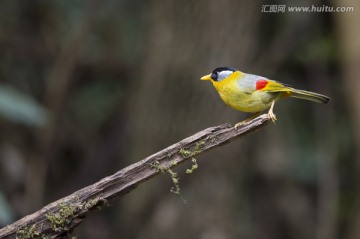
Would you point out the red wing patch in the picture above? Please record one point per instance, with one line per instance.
(261, 84)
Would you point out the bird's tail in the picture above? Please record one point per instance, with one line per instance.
(308, 95)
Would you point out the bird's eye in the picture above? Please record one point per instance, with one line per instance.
(214, 75)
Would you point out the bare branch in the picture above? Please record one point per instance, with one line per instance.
(58, 218)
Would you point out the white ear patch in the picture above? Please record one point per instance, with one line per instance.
(223, 74)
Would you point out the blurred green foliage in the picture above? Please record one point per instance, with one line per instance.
(20, 108)
(6, 215)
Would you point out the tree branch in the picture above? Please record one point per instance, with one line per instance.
(58, 218)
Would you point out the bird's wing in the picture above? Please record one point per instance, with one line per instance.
(272, 86)
(247, 83)
(250, 83)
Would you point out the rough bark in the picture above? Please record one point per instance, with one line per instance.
(57, 219)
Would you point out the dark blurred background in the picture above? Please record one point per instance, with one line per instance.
(89, 87)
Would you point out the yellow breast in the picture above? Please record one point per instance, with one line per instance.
(242, 99)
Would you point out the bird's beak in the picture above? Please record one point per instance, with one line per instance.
(207, 77)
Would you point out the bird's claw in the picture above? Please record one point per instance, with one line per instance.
(239, 124)
(247, 120)
(272, 116)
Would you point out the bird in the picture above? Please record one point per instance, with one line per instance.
(253, 94)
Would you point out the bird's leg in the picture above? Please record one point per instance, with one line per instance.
(271, 113)
(247, 120)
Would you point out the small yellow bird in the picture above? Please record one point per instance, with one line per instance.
(252, 93)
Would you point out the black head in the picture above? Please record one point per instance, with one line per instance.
(221, 73)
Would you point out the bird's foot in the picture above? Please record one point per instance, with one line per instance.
(271, 113)
(272, 116)
(247, 120)
(240, 124)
